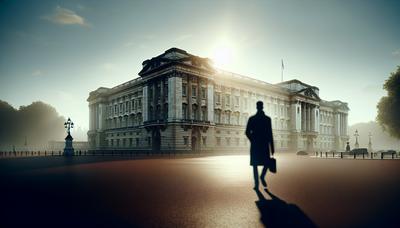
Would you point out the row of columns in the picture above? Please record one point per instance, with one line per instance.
(307, 117)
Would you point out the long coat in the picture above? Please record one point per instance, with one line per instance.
(259, 132)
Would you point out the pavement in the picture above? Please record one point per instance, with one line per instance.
(214, 191)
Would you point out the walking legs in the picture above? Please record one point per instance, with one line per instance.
(255, 173)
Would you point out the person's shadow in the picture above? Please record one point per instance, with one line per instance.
(278, 213)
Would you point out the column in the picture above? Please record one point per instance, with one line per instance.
(189, 97)
(174, 98)
(145, 104)
(303, 116)
(308, 121)
(210, 101)
(162, 99)
(295, 118)
(312, 118)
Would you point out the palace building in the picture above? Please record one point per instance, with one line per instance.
(180, 102)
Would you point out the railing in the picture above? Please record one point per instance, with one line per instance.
(344, 155)
(124, 154)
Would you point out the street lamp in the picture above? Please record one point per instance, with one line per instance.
(356, 135)
(370, 143)
(68, 149)
(68, 125)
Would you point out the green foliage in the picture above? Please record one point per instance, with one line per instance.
(389, 106)
(38, 122)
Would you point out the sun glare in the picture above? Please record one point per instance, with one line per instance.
(222, 55)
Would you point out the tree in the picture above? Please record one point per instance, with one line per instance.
(389, 106)
(38, 122)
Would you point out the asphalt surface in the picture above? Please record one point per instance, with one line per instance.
(197, 192)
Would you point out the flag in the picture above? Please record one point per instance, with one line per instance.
(283, 66)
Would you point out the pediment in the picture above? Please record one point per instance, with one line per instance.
(309, 93)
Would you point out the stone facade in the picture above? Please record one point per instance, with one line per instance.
(181, 103)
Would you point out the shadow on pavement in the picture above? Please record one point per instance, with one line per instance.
(278, 213)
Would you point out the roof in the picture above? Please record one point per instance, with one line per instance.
(175, 56)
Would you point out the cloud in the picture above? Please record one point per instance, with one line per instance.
(37, 73)
(396, 53)
(66, 17)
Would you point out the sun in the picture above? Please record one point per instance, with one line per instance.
(222, 55)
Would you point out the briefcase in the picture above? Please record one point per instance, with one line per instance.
(272, 165)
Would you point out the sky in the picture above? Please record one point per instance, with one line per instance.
(59, 51)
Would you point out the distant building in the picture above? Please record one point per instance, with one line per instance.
(181, 103)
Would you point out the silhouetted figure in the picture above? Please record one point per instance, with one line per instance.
(348, 147)
(259, 132)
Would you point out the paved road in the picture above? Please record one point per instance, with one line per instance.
(198, 192)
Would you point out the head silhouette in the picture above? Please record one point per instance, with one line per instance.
(260, 105)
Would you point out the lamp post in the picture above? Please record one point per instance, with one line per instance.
(370, 143)
(356, 135)
(68, 149)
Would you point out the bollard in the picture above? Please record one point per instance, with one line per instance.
(316, 153)
(320, 154)
(381, 155)
(354, 155)
(363, 155)
(52, 153)
(59, 153)
(341, 154)
(392, 155)
(45, 153)
(372, 155)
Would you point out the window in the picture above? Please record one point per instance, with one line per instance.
(204, 141)
(245, 103)
(227, 99)
(237, 100)
(194, 91)
(228, 141)
(185, 140)
(218, 97)
(203, 93)
(194, 113)
(184, 89)
(137, 141)
(184, 111)
(218, 141)
(131, 142)
(203, 114)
